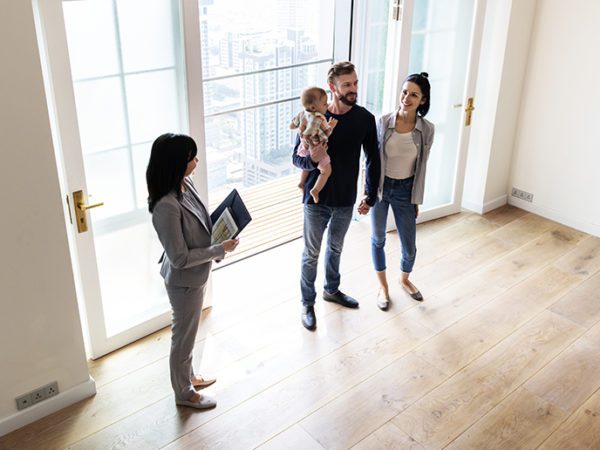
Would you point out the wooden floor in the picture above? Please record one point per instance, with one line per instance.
(503, 353)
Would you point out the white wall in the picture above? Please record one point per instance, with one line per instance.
(557, 149)
(40, 332)
(503, 64)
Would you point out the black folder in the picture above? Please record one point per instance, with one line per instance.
(234, 203)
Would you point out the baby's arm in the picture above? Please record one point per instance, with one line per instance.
(327, 127)
(294, 124)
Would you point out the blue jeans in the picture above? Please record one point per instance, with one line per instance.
(316, 219)
(397, 194)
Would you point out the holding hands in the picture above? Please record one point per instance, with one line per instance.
(363, 206)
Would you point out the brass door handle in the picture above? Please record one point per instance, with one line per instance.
(469, 111)
(84, 207)
(81, 208)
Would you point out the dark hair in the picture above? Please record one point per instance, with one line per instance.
(421, 80)
(340, 68)
(310, 96)
(168, 162)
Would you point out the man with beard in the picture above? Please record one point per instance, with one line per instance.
(355, 129)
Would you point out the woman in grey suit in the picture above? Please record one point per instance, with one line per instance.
(183, 225)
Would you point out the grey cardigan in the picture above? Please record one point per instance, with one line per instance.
(422, 135)
(186, 239)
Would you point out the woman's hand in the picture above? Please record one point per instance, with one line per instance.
(230, 244)
(416, 211)
(363, 207)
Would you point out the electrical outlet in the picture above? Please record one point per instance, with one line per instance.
(50, 390)
(37, 396)
(23, 401)
(528, 197)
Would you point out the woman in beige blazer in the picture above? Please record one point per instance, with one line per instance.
(184, 228)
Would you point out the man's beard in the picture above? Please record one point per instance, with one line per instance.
(345, 100)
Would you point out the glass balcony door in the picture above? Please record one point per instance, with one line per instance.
(115, 75)
(442, 38)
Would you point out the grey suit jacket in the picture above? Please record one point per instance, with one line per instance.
(186, 239)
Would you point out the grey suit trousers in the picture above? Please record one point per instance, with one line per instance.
(186, 304)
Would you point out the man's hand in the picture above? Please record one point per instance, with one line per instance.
(416, 211)
(318, 152)
(363, 207)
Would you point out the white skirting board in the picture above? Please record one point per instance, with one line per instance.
(549, 213)
(487, 206)
(48, 406)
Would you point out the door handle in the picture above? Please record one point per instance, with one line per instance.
(469, 111)
(80, 210)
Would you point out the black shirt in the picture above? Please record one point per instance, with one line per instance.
(355, 129)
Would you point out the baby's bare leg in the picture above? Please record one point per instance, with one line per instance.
(303, 177)
(320, 183)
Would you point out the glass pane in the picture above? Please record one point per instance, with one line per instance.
(107, 175)
(100, 114)
(439, 46)
(265, 155)
(90, 28)
(247, 50)
(147, 34)
(374, 48)
(238, 35)
(153, 104)
(141, 155)
(250, 90)
(132, 290)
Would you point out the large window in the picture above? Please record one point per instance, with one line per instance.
(127, 75)
(256, 58)
(132, 81)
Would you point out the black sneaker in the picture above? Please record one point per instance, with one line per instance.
(340, 298)
(309, 321)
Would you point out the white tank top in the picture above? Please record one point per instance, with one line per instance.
(401, 155)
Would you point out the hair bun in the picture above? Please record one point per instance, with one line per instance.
(424, 75)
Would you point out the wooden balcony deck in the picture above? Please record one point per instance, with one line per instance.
(276, 209)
